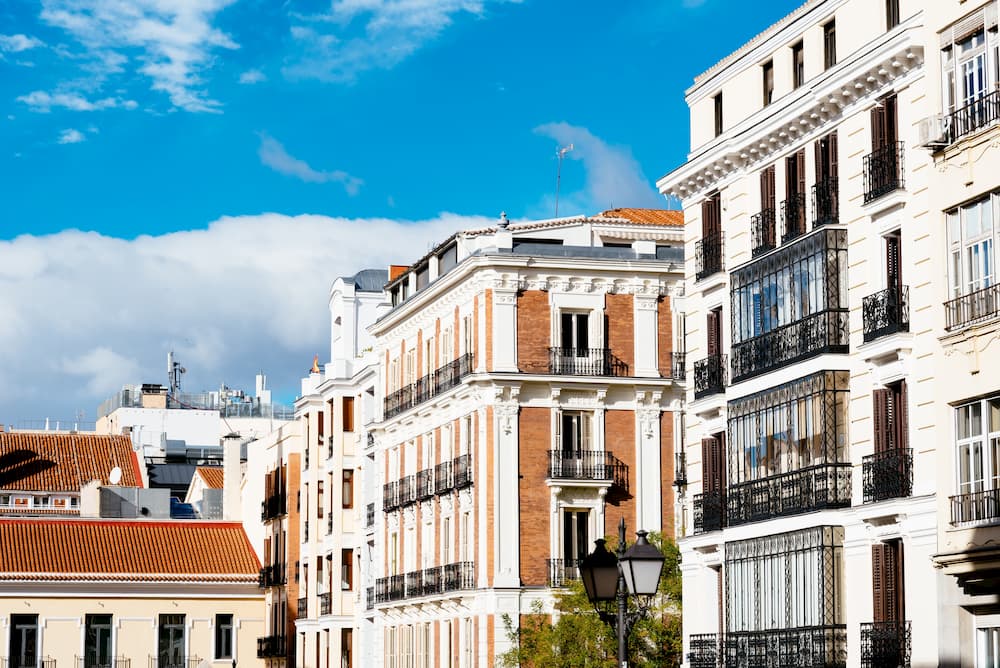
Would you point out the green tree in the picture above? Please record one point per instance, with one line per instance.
(575, 637)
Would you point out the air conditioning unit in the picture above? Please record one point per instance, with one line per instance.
(933, 132)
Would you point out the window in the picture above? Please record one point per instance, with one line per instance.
(223, 636)
(4, 499)
(574, 333)
(42, 501)
(346, 648)
(446, 540)
(97, 640)
(347, 569)
(23, 640)
(718, 114)
(888, 600)
(971, 243)
(347, 405)
(798, 65)
(469, 642)
(170, 640)
(347, 488)
(573, 433)
(319, 500)
(987, 641)
(978, 465)
(891, 14)
(767, 73)
(576, 535)
(829, 44)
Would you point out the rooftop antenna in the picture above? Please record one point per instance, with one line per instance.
(560, 154)
(174, 372)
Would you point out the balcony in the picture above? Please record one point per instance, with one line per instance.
(678, 370)
(444, 481)
(585, 362)
(305, 531)
(96, 662)
(164, 661)
(427, 582)
(271, 576)
(708, 256)
(972, 308)
(762, 236)
(369, 598)
(430, 581)
(976, 507)
(303, 608)
(562, 571)
(710, 376)
(370, 515)
(823, 332)
(390, 588)
(883, 171)
(709, 511)
(588, 465)
(270, 647)
(272, 507)
(812, 646)
(885, 644)
(458, 577)
(812, 488)
(973, 117)
(680, 469)
(324, 603)
(793, 216)
(462, 466)
(425, 484)
(390, 496)
(329, 523)
(28, 662)
(887, 475)
(886, 312)
(329, 447)
(407, 491)
(437, 382)
(825, 201)
(705, 651)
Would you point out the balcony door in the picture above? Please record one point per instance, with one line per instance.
(576, 537)
(97, 641)
(23, 641)
(574, 334)
(884, 123)
(170, 643)
(888, 600)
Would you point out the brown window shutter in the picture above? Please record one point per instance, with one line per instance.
(880, 419)
(900, 414)
(820, 158)
(800, 171)
(832, 153)
(890, 119)
(713, 464)
(767, 188)
(892, 260)
(720, 454)
(878, 126)
(711, 223)
(878, 582)
(712, 327)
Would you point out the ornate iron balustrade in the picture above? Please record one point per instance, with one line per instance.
(269, 647)
(812, 646)
(680, 469)
(390, 496)
(427, 582)
(562, 571)
(708, 256)
(886, 312)
(271, 576)
(272, 507)
(974, 116)
(431, 581)
(825, 201)
(370, 515)
(762, 232)
(459, 576)
(709, 511)
(885, 644)
(324, 603)
(887, 475)
(329, 447)
(678, 370)
(883, 171)
(710, 376)
(97, 662)
(974, 307)
(392, 588)
(414, 583)
(976, 507)
(444, 481)
(793, 217)
(407, 490)
(585, 362)
(812, 488)
(823, 332)
(437, 382)
(302, 610)
(588, 465)
(705, 651)
(462, 466)
(425, 484)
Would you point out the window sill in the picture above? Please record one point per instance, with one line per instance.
(972, 329)
(881, 205)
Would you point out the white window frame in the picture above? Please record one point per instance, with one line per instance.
(988, 442)
(987, 627)
(972, 252)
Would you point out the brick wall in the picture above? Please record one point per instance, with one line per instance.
(619, 440)
(535, 430)
(667, 469)
(620, 316)
(533, 331)
(664, 335)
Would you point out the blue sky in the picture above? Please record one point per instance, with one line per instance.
(174, 139)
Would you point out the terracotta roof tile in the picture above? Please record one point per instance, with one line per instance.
(212, 475)
(45, 462)
(647, 216)
(100, 549)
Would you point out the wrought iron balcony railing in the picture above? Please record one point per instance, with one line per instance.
(27, 662)
(825, 200)
(793, 217)
(587, 465)
(324, 603)
(708, 256)
(974, 116)
(678, 371)
(444, 480)
(585, 362)
(305, 531)
(812, 488)
(414, 583)
(562, 571)
(425, 484)
(710, 376)
(458, 577)
(680, 469)
(166, 661)
(886, 312)
(762, 232)
(390, 496)
(823, 332)
(370, 515)
(705, 651)
(430, 581)
(269, 647)
(329, 523)
(271, 576)
(407, 490)
(976, 507)
(462, 467)
(887, 475)
(427, 582)
(883, 171)
(302, 611)
(99, 662)
(272, 507)
(813, 646)
(974, 307)
(709, 511)
(885, 644)
(438, 381)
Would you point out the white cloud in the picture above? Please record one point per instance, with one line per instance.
(274, 155)
(71, 136)
(175, 41)
(252, 77)
(612, 177)
(43, 102)
(18, 43)
(85, 314)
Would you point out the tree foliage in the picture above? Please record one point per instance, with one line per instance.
(575, 637)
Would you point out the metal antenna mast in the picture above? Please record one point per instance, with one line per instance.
(560, 154)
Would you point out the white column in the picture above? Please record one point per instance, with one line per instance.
(649, 512)
(645, 336)
(506, 492)
(505, 329)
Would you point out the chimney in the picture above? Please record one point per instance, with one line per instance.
(231, 479)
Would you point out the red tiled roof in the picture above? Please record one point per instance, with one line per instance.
(40, 462)
(100, 549)
(647, 216)
(212, 475)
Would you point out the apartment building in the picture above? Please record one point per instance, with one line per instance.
(530, 378)
(813, 305)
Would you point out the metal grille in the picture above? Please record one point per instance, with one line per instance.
(434, 383)
(762, 232)
(976, 306)
(972, 117)
(793, 217)
(710, 376)
(708, 256)
(826, 208)
(562, 571)
(887, 475)
(883, 171)
(975, 507)
(709, 511)
(886, 312)
(585, 362)
(805, 490)
(885, 645)
(677, 368)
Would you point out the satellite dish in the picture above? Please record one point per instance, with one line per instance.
(115, 476)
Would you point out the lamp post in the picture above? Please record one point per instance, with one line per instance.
(612, 578)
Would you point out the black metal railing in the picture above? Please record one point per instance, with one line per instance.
(391, 588)
(272, 507)
(303, 607)
(587, 465)
(709, 511)
(823, 332)
(825, 201)
(680, 469)
(164, 661)
(883, 171)
(885, 644)
(438, 381)
(269, 647)
(887, 475)
(324, 603)
(793, 217)
(976, 507)
(585, 362)
(390, 496)
(812, 646)
(462, 467)
(459, 576)
(305, 531)
(271, 576)
(329, 447)
(562, 571)
(710, 376)
(678, 370)
(407, 490)
(762, 232)
(971, 308)
(430, 581)
(369, 598)
(30, 662)
(974, 116)
(370, 515)
(708, 256)
(886, 312)
(704, 651)
(426, 582)
(329, 523)
(97, 662)
(444, 480)
(425, 484)
(812, 488)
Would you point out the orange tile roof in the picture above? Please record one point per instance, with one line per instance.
(212, 475)
(45, 462)
(101, 549)
(647, 216)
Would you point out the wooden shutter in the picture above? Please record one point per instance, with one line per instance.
(820, 148)
(880, 419)
(767, 188)
(711, 224)
(800, 172)
(712, 328)
(890, 120)
(900, 421)
(892, 260)
(887, 582)
(878, 582)
(878, 126)
(713, 466)
(832, 155)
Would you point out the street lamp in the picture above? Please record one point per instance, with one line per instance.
(611, 577)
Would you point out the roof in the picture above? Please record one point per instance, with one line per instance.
(212, 475)
(369, 280)
(647, 216)
(125, 550)
(175, 476)
(46, 462)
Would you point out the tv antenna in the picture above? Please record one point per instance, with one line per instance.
(560, 154)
